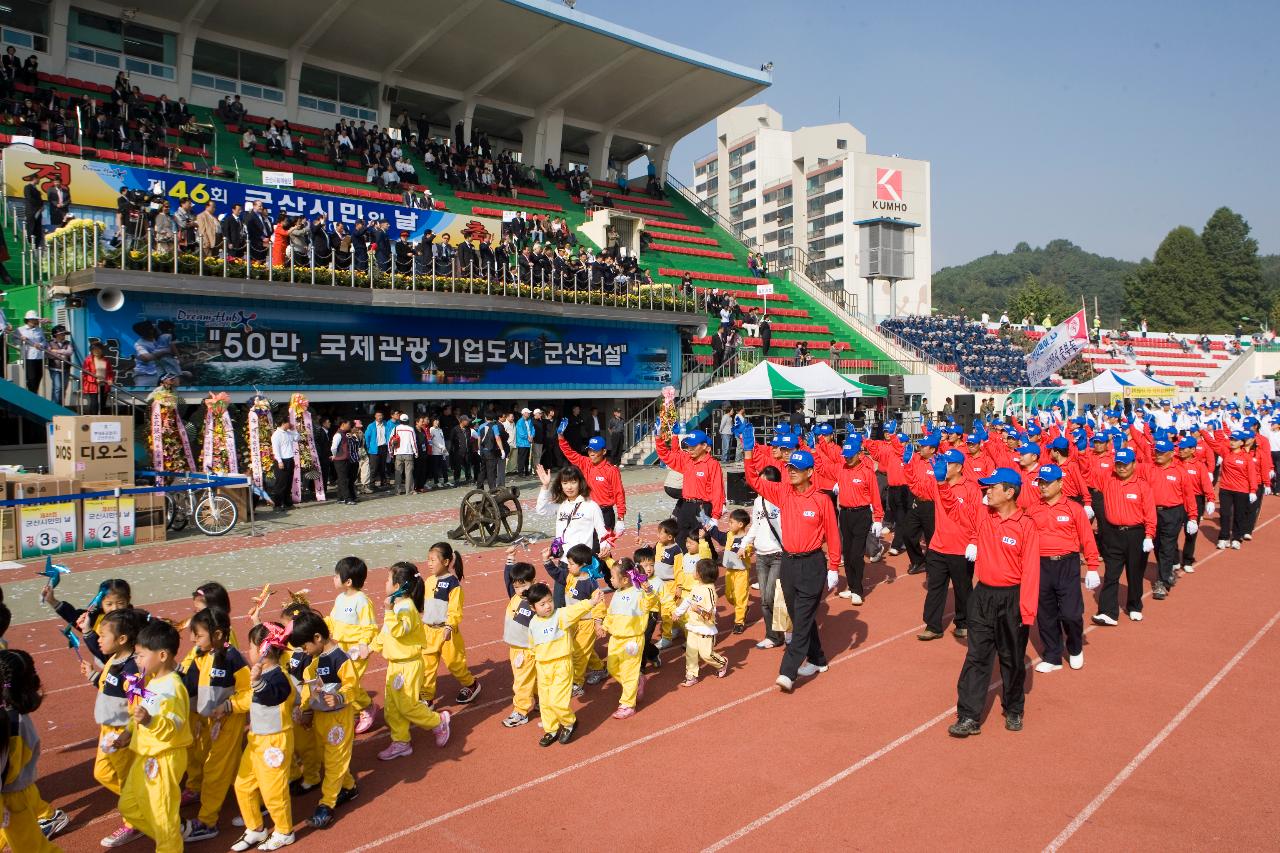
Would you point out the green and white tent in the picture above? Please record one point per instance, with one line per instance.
(769, 381)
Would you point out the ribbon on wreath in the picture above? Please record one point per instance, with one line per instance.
(259, 415)
(300, 419)
(161, 399)
(216, 412)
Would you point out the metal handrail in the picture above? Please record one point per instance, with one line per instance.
(639, 426)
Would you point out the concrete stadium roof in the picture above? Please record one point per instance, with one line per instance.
(514, 58)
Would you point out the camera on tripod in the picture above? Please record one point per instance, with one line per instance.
(144, 202)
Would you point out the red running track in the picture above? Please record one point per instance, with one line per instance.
(1165, 740)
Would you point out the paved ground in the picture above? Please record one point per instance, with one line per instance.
(302, 544)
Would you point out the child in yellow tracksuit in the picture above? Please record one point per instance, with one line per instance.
(221, 675)
(737, 564)
(699, 608)
(579, 584)
(644, 558)
(442, 617)
(117, 633)
(625, 623)
(304, 771)
(209, 594)
(331, 680)
(353, 627)
(550, 631)
(515, 631)
(263, 775)
(159, 736)
(400, 642)
(20, 697)
(666, 552)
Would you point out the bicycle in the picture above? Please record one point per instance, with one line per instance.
(213, 514)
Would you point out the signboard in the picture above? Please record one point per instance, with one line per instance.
(103, 528)
(1256, 389)
(95, 184)
(104, 431)
(1059, 345)
(277, 179)
(46, 529)
(764, 290)
(234, 344)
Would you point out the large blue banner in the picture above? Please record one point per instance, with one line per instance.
(240, 344)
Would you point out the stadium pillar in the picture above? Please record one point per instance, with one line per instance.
(598, 146)
(293, 72)
(464, 111)
(660, 156)
(59, 18)
(186, 52)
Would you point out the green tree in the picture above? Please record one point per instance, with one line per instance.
(1236, 268)
(1174, 292)
(1035, 299)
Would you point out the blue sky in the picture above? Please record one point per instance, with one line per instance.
(1104, 123)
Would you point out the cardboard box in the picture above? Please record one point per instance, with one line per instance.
(8, 533)
(150, 518)
(93, 447)
(40, 486)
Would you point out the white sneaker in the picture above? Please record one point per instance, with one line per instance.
(807, 669)
(1104, 619)
(1188, 569)
(855, 599)
(1135, 615)
(251, 838)
(1177, 566)
(766, 643)
(786, 684)
(1248, 537)
(1076, 661)
(1235, 545)
(276, 841)
(1045, 666)
(755, 586)
(1222, 544)
(663, 644)
(844, 593)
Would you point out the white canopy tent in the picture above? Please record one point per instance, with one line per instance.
(769, 381)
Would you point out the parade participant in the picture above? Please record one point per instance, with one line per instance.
(1003, 605)
(515, 633)
(897, 498)
(699, 610)
(951, 550)
(918, 529)
(626, 625)
(1065, 534)
(1174, 494)
(442, 623)
(1129, 512)
(1238, 483)
(353, 627)
(549, 631)
(703, 478)
(859, 510)
(808, 525)
(579, 520)
(1202, 486)
(765, 541)
(605, 479)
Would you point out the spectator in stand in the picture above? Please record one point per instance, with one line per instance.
(237, 109)
(258, 231)
(983, 361)
(248, 140)
(208, 228)
(299, 241)
(382, 245)
(766, 335)
(234, 236)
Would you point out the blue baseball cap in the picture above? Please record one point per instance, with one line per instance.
(1029, 448)
(930, 440)
(1049, 474)
(955, 429)
(852, 447)
(1033, 430)
(902, 437)
(1010, 432)
(1241, 435)
(1078, 419)
(1188, 442)
(1163, 446)
(1002, 476)
(1060, 443)
(596, 442)
(786, 440)
(1124, 456)
(1101, 437)
(824, 428)
(974, 439)
(952, 457)
(801, 460)
(693, 439)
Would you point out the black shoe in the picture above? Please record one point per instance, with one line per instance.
(964, 728)
(547, 739)
(916, 569)
(1013, 722)
(566, 732)
(346, 795)
(322, 818)
(739, 628)
(961, 633)
(298, 788)
(1159, 591)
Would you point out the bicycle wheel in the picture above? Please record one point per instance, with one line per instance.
(215, 515)
(174, 514)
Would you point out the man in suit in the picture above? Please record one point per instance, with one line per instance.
(208, 228)
(615, 437)
(321, 244)
(360, 246)
(576, 434)
(35, 211)
(258, 230)
(59, 202)
(233, 232)
(382, 245)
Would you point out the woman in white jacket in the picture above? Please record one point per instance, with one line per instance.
(578, 518)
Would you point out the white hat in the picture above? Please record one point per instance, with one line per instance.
(537, 411)
(525, 411)
(31, 315)
(404, 419)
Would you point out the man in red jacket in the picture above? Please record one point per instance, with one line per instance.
(1065, 534)
(1174, 494)
(1002, 607)
(703, 479)
(604, 478)
(1198, 474)
(957, 500)
(859, 512)
(1129, 512)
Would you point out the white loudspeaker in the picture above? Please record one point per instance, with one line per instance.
(110, 299)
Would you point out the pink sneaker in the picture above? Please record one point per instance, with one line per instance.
(364, 721)
(122, 836)
(623, 712)
(189, 796)
(396, 750)
(689, 682)
(442, 731)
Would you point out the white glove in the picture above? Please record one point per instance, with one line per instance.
(1209, 508)
(1091, 580)
(1147, 545)
(1088, 512)
(1266, 490)
(631, 647)
(833, 578)
(876, 529)
(971, 552)
(619, 527)
(1192, 528)
(1253, 497)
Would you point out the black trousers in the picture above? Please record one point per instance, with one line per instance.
(897, 502)
(458, 461)
(1061, 609)
(1231, 514)
(855, 524)
(487, 471)
(1099, 510)
(282, 488)
(522, 461)
(650, 654)
(1122, 554)
(615, 447)
(1170, 521)
(610, 516)
(34, 373)
(803, 579)
(1189, 543)
(1251, 512)
(686, 516)
(343, 471)
(939, 570)
(378, 467)
(995, 631)
(919, 524)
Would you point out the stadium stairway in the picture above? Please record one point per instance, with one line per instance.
(20, 401)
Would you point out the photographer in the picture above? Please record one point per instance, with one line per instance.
(184, 221)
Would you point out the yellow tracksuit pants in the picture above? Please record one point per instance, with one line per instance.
(454, 655)
(667, 595)
(197, 751)
(625, 667)
(21, 829)
(361, 699)
(334, 733)
(737, 589)
(585, 655)
(150, 797)
(697, 649)
(306, 756)
(111, 768)
(402, 707)
(524, 680)
(263, 777)
(555, 693)
(226, 742)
